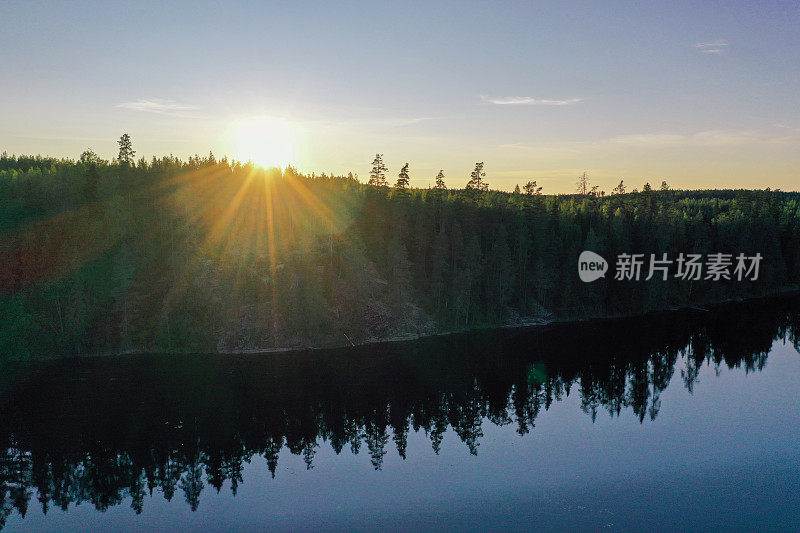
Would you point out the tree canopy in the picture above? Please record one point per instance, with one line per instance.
(207, 254)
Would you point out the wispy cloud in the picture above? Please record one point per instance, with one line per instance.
(713, 47)
(706, 139)
(368, 123)
(406, 121)
(542, 148)
(651, 139)
(158, 106)
(529, 100)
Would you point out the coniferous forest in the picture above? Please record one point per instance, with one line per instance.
(209, 255)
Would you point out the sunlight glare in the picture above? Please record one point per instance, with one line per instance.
(264, 141)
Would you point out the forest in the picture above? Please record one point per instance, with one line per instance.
(208, 255)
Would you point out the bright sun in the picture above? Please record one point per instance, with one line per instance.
(264, 141)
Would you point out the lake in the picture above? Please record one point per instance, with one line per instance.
(677, 421)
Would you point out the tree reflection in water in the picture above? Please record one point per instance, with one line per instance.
(106, 429)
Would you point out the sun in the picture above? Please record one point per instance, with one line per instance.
(264, 141)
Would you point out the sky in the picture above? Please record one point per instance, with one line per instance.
(700, 94)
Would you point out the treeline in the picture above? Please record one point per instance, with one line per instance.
(66, 435)
(212, 255)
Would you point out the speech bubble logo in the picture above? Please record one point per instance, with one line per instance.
(591, 266)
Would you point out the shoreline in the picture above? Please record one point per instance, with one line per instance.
(411, 337)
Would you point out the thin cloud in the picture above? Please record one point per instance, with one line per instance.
(651, 139)
(713, 47)
(705, 138)
(160, 107)
(529, 100)
(406, 121)
(378, 122)
(541, 148)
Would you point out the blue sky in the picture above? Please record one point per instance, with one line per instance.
(700, 95)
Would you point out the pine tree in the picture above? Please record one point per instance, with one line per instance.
(401, 190)
(90, 188)
(476, 178)
(440, 180)
(583, 183)
(439, 268)
(377, 176)
(126, 151)
(619, 189)
(402, 178)
(497, 275)
(90, 161)
(531, 188)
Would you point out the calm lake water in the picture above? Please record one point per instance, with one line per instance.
(681, 421)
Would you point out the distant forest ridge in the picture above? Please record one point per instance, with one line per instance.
(24, 163)
(206, 255)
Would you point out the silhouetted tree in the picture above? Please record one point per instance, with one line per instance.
(583, 183)
(377, 176)
(126, 151)
(532, 189)
(440, 180)
(476, 178)
(402, 178)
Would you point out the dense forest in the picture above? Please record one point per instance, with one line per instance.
(108, 431)
(209, 255)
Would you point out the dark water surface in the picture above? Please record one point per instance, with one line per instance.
(670, 422)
